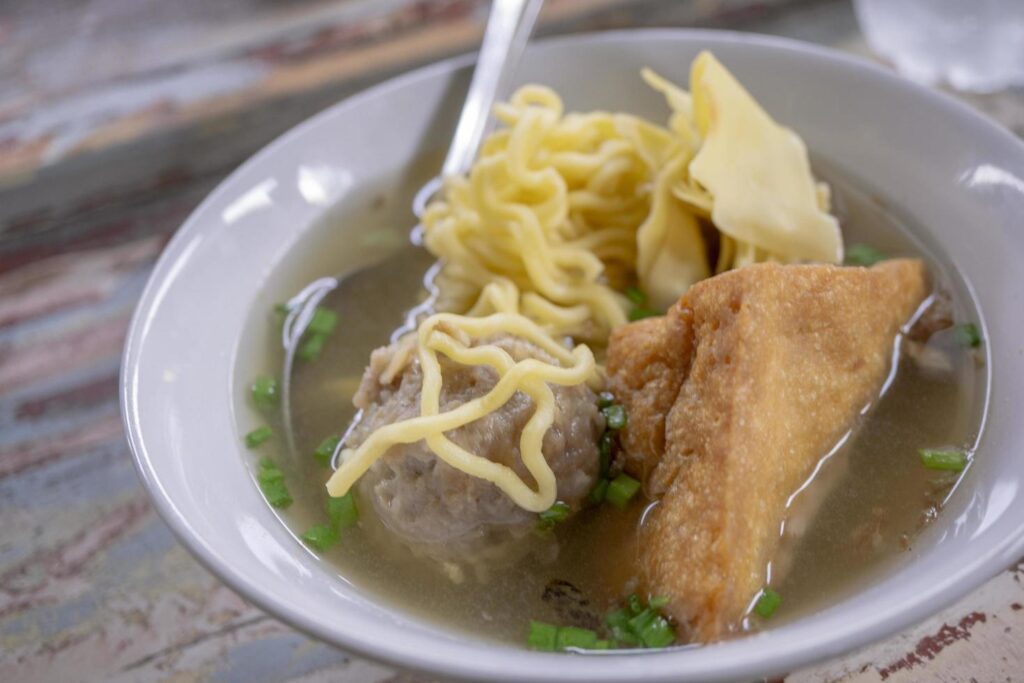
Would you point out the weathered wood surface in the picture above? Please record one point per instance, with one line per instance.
(92, 584)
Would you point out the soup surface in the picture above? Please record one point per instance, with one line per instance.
(860, 512)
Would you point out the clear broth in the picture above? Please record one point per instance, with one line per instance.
(859, 514)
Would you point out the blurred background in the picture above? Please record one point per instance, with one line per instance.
(117, 117)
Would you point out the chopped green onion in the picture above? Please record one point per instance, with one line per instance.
(320, 537)
(638, 623)
(968, 335)
(641, 625)
(658, 602)
(571, 636)
(636, 606)
(549, 638)
(605, 399)
(617, 622)
(542, 636)
(277, 494)
(604, 450)
(271, 481)
(615, 416)
(325, 451)
(636, 296)
(767, 603)
(951, 460)
(657, 633)
(320, 327)
(323, 322)
(342, 511)
(269, 476)
(553, 515)
(258, 436)
(618, 617)
(639, 313)
(599, 491)
(622, 635)
(862, 255)
(311, 347)
(621, 490)
(264, 393)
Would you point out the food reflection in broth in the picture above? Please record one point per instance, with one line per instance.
(860, 513)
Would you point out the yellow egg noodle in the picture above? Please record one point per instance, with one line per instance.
(551, 203)
(560, 211)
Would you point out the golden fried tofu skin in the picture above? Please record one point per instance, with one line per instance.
(733, 397)
(647, 363)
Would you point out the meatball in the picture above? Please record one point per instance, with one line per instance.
(441, 511)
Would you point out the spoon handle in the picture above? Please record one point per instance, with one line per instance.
(509, 25)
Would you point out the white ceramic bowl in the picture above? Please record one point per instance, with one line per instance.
(940, 164)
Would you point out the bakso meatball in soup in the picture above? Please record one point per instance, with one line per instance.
(441, 511)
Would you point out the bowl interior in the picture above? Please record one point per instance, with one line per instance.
(951, 174)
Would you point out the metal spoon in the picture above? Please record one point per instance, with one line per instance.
(508, 29)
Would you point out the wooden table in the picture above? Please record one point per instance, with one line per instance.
(116, 118)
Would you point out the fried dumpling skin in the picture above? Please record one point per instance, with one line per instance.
(733, 397)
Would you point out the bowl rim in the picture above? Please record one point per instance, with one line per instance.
(905, 611)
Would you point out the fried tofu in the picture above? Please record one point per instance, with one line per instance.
(733, 397)
(647, 363)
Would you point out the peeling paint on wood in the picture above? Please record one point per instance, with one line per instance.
(978, 637)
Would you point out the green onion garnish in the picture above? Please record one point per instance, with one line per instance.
(258, 436)
(615, 416)
(638, 623)
(269, 470)
(658, 602)
(553, 515)
(271, 481)
(618, 623)
(325, 450)
(767, 603)
(967, 335)
(323, 322)
(311, 347)
(639, 313)
(605, 399)
(342, 511)
(635, 296)
(320, 537)
(542, 637)
(617, 617)
(862, 255)
(636, 606)
(599, 491)
(621, 490)
(571, 636)
(264, 393)
(934, 459)
(658, 632)
(622, 635)
(635, 624)
(320, 327)
(276, 492)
